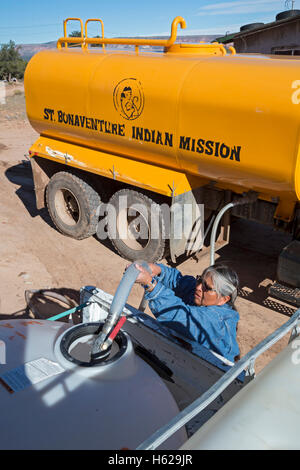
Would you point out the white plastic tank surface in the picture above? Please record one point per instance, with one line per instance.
(114, 405)
(263, 415)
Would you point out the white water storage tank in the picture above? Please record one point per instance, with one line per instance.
(58, 402)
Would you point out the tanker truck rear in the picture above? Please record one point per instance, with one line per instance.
(159, 142)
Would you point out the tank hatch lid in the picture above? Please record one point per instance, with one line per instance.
(214, 48)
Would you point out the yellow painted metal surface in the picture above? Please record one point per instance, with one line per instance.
(205, 115)
(145, 175)
(203, 49)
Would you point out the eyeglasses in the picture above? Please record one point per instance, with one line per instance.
(205, 286)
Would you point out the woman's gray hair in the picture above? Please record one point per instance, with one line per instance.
(225, 281)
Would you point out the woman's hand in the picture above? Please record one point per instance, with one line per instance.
(144, 276)
(155, 269)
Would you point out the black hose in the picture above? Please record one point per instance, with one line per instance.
(29, 294)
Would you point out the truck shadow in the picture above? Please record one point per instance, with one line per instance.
(21, 175)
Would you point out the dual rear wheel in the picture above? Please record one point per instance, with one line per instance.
(135, 226)
(133, 221)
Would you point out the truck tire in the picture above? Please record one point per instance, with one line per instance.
(287, 14)
(135, 233)
(248, 27)
(72, 205)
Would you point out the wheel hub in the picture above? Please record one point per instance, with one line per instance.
(67, 206)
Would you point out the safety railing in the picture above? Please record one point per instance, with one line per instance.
(245, 364)
(84, 41)
(71, 40)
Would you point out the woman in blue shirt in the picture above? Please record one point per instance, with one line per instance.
(201, 308)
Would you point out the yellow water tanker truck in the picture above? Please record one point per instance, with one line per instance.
(192, 127)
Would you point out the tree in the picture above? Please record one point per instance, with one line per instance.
(75, 34)
(97, 45)
(11, 62)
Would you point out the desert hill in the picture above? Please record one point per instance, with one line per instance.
(28, 50)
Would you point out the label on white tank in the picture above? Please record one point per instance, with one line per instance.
(30, 373)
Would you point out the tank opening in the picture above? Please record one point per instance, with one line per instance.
(76, 345)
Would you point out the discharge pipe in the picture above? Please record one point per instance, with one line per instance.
(250, 198)
(114, 321)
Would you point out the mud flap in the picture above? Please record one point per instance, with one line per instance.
(40, 179)
(187, 224)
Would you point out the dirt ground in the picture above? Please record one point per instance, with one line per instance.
(34, 255)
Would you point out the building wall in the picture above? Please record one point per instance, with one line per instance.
(284, 37)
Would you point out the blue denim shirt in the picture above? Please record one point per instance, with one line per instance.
(172, 303)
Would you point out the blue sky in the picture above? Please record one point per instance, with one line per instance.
(36, 21)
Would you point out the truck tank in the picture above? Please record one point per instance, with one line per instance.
(223, 118)
(53, 398)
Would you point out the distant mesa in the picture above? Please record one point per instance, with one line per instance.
(28, 50)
